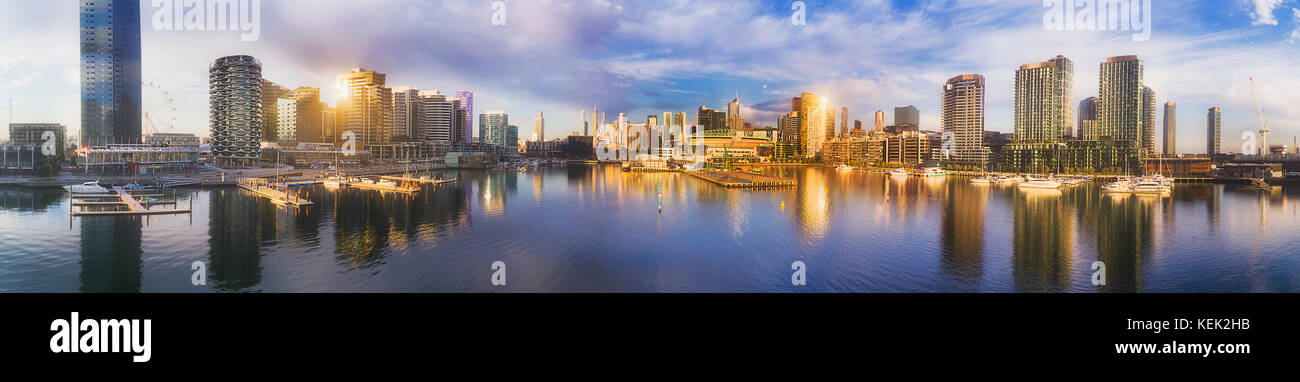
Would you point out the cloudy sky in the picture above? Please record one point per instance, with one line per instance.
(645, 57)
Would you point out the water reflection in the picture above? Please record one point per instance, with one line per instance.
(110, 254)
(963, 237)
(595, 228)
(1125, 238)
(1043, 240)
(24, 201)
(239, 223)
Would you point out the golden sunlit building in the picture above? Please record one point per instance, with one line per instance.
(365, 107)
(814, 122)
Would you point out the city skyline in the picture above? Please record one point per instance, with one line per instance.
(630, 79)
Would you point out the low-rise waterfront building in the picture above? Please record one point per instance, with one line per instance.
(910, 147)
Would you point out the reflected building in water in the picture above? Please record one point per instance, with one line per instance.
(238, 225)
(369, 226)
(813, 204)
(963, 237)
(20, 200)
(111, 254)
(1125, 232)
(1043, 243)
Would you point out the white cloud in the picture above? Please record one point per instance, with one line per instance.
(1295, 34)
(1262, 14)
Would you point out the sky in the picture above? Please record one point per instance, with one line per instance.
(642, 58)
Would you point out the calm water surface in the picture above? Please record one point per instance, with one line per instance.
(596, 229)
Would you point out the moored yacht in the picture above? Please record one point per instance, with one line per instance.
(87, 188)
(1121, 186)
(1151, 186)
(899, 172)
(1042, 183)
(931, 172)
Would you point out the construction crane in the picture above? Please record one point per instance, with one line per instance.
(1263, 123)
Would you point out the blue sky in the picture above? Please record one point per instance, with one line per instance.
(646, 57)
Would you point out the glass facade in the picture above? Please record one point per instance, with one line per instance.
(110, 72)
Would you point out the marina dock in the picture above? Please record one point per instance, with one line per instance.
(741, 179)
(124, 199)
(384, 187)
(417, 180)
(262, 188)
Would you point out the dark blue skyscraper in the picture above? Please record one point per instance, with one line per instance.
(110, 71)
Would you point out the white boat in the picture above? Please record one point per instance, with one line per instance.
(930, 172)
(982, 180)
(87, 188)
(1150, 186)
(1042, 184)
(334, 183)
(899, 172)
(1122, 186)
(844, 167)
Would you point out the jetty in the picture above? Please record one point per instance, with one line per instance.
(262, 188)
(418, 180)
(741, 179)
(125, 198)
(385, 187)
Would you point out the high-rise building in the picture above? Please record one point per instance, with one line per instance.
(1120, 101)
(539, 127)
(435, 118)
(299, 116)
(366, 108)
(907, 115)
(1148, 121)
(1044, 101)
(406, 102)
(235, 103)
(880, 121)
(963, 116)
(1089, 124)
(812, 128)
(830, 121)
(110, 72)
(1214, 130)
(734, 120)
(492, 127)
(787, 126)
(329, 123)
(271, 93)
(465, 99)
(1171, 128)
(844, 121)
(708, 119)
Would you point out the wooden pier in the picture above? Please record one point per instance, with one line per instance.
(741, 179)
(385, 188)
(125, 198)
(262, 188)
(420, 181)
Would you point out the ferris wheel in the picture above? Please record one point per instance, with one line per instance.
(158, 107)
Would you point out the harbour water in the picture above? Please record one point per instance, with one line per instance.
(597, 229)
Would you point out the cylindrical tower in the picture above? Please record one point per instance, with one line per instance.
(235, 105)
